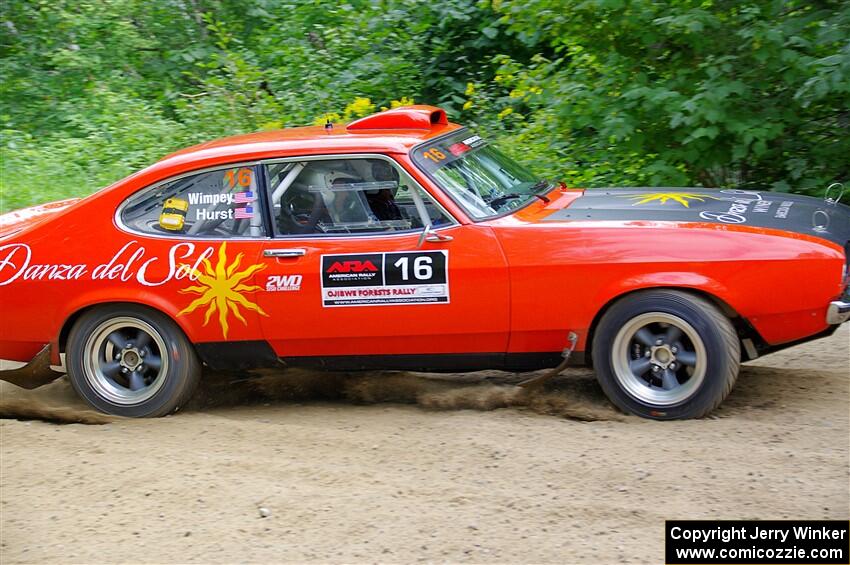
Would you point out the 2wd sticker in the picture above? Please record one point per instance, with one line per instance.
(376, 279)
(283, 283)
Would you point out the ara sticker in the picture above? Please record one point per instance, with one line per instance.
(380, 279)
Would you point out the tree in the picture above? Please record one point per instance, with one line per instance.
(716, 93)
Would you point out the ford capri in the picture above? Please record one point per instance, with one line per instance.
(402, 241)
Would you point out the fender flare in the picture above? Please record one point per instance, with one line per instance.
(700, 284)
(88, 301)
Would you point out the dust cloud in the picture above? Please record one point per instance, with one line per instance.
(55, 402)
(573, 395)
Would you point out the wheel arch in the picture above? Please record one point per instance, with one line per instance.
(744, 329)
(71, 319)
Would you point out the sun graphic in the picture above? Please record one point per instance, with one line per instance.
(682, 198)
(221, 289)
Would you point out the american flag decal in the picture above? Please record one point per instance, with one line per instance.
(244, 197)
(244, 213)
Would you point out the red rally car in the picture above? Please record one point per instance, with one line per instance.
(402, 241)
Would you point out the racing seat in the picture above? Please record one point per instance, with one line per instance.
(382, 202)
(321, 200)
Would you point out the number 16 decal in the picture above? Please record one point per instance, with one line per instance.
(417, 267)
(380, 279)
(421, 265)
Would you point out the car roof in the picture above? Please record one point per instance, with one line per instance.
(392, 131)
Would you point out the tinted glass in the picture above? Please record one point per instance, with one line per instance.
(221, 203)
(346, 196)
(480, 178)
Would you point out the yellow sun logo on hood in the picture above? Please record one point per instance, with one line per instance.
(682, 198)
(221, 289)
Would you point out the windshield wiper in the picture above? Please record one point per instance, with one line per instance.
(540, 186)
(505, 197)
(499, 200)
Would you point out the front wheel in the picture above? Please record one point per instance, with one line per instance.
(131, 361)
(666, 354)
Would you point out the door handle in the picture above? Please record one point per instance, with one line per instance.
(298, 252)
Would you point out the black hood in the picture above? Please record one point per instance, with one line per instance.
(789, 212)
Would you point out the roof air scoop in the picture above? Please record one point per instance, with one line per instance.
(404, 117)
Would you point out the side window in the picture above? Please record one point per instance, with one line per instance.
(221, 203)
(354, 196)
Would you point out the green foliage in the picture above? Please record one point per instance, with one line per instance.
(595, 92)
(716, 93)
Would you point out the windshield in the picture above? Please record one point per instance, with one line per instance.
(480, 178)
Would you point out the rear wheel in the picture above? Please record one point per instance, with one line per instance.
(131, 361)
(666, 354)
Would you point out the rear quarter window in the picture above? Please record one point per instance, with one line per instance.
(222, 203)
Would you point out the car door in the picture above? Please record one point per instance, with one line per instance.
(349, 273)
(189, 247)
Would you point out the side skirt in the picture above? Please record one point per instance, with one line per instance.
(236, 355)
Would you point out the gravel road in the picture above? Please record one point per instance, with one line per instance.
(406, 468)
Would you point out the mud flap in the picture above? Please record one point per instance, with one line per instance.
(34, 374)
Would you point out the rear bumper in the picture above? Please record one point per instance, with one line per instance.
(837, 312)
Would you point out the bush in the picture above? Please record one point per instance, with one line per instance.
(594, 92)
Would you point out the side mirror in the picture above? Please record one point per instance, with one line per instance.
(428, 234)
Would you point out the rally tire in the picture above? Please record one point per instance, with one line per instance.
(128, 360)
(666, 355)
